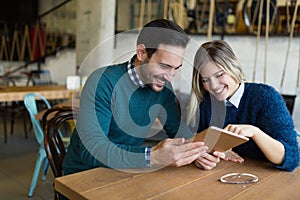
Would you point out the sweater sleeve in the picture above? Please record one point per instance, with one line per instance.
(93, 127)
(275, 120)
(204, 113)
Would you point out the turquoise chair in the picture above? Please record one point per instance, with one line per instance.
(31, 106)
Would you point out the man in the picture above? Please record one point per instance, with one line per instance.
(119, 104)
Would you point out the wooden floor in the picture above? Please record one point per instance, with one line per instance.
(17, 160)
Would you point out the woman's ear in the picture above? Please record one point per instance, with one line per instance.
(141, 52)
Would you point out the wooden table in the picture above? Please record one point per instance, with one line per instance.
(17, 93)
(186, 182)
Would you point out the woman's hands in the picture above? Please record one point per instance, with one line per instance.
(271, 148)
(244, 130)
(232, 156)
(209, 161)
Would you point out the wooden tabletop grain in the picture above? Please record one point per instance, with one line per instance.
(186, 182)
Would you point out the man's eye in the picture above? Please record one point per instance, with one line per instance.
(164, 66)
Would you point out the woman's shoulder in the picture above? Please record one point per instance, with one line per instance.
(261, 86)
(261, 90)
(267, 95)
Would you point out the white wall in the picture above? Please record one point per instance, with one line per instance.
(243, 46)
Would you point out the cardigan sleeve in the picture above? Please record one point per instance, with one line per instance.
(276, 121)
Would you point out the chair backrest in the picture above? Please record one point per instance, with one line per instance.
(39, 77)
(53, 143)
(31, 106)
(289, 101)
(7, 81)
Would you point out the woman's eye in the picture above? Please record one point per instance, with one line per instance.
(204, 80)
(220, 75)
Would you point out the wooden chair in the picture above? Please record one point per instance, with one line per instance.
(11, 110)
(53, 121)
(289, 101)
(39, 77)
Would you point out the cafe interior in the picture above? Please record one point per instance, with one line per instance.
(49, 48)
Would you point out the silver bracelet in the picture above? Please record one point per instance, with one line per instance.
(239, 178)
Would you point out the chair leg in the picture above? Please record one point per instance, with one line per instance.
(5, 128)
(13, 115)
(58, 196)
(40, 158)
(25, 126)
(46, 167)
(12, 123)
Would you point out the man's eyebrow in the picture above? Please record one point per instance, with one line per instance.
(167, 65)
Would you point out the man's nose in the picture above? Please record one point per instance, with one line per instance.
(170, 75)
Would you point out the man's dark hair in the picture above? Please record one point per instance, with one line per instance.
(161, 31)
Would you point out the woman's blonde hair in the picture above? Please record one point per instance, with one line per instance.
(220, 53)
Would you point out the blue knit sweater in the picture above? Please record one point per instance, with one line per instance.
(115, 117)
(261, 106)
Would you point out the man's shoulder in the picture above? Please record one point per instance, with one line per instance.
(111, 72)
(105, 76)
(112, 69)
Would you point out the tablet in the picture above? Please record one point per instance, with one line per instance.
(218, 139)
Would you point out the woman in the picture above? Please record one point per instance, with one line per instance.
(253, 110)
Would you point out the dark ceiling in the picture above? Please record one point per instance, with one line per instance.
(19, 10)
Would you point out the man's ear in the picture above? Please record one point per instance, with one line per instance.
(141, 53)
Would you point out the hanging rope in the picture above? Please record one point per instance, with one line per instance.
(211, 18)
(178, 13)
(149, 10)
(15, 44)
(142, 13)
(166, 5)
(3, 49)
(267, 40)
(287, 15)
(26, 43)
(257, 38)
(289, 42)
(298, 77)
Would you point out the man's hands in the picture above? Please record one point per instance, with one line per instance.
(179, 152)
(176, 152)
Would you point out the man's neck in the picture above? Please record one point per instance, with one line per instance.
(136, 62)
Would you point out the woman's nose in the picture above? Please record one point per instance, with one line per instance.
(213, 83)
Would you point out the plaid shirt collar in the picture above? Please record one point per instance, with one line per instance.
(132, 73)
